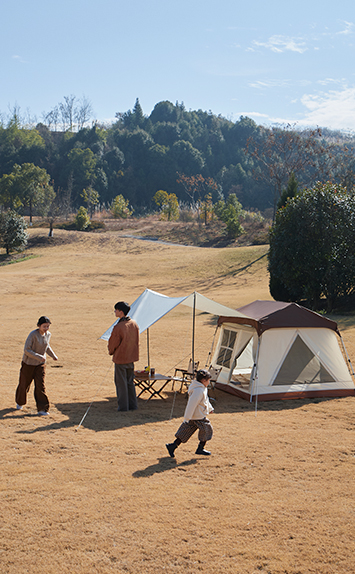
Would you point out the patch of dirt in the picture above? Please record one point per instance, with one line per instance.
(190, 233)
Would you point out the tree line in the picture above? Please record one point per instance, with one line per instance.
(137, 155)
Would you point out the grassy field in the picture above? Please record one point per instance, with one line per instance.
(275, 496)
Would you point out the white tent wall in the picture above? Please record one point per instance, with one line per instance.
(276, 343)
(274, 346)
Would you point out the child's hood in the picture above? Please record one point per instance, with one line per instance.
(195, 385)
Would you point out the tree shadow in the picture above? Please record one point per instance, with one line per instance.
(164, 464)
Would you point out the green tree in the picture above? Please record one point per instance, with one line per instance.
(120, 207)
(81, 164)
(230, 213)
(187, 157)
(13, 235)
(82, 220)
(312, 247)
(91, 198)
(169, 205)
(27, 185)
(207, 208)
(290, 191)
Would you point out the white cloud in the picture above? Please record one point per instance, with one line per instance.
(253, 114)
(281, 44)
(349, 29)
(335, 109)
(261, 84)
(327, 81)
(19, 59)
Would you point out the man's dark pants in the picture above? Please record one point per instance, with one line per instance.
(125, 389)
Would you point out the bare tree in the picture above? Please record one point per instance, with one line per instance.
(52, 118)
(280, 151)
(83, 112)
(67, 112)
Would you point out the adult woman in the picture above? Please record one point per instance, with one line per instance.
(33, 367)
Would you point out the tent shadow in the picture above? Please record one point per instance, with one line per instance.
(165, 463)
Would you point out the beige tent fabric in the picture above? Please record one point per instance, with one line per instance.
(305, 358)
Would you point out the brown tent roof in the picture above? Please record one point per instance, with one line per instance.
(263, 315)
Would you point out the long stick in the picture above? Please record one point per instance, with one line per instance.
(172, 408)
(87, 410)
(193, 331)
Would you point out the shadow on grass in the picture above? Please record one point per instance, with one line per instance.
(102, 415)
(164, 464)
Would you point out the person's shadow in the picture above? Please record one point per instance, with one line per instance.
(100, 416)
(165, 463)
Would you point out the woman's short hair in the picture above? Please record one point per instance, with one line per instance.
(42, 320)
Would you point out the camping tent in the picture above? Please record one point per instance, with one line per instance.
(280, 351)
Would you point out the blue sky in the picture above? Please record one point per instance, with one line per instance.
(274, 61)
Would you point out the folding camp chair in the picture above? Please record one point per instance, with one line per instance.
(186, 375)
(214, 372)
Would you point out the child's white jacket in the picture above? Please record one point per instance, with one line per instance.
(198, 406)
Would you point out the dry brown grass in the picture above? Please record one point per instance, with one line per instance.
(276, 494)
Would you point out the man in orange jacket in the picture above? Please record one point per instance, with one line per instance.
(123, 345)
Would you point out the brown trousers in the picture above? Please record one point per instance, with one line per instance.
(187, 429)
(29, 373)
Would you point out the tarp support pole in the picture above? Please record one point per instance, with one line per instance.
(148, 352)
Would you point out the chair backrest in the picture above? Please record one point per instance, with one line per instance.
(214, 373)
(192, 367)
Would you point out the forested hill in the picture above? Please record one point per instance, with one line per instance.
(137, 155)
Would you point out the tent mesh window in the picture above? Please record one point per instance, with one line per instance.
(301, 365)
(226, 348)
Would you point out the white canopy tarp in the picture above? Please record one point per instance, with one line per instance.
(152, 306)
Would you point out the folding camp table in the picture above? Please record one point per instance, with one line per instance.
(154, 384)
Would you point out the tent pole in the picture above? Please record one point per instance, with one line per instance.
(148, 347)
(351, 371)
(210, 353)
(255, 367)
(193, 329)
